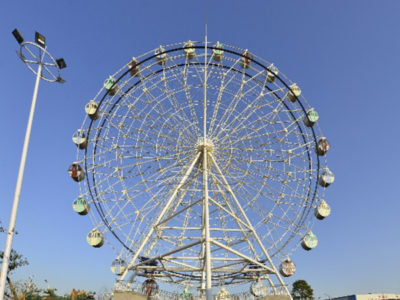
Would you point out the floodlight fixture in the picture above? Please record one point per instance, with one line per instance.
(61, 63)
(60, 79)
(40, 39)
(18, 36)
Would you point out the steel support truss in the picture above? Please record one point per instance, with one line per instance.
(205, 268)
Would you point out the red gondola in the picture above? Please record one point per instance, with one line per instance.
(76, 172)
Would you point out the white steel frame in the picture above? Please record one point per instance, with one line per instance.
(197, 254)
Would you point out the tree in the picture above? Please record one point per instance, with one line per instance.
(16, 260)
(27, 290)
(302, 290)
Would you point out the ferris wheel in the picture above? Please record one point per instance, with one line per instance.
(201, 165)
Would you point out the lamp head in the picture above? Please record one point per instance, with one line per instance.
(60, 80)
(18, 36)
(40, 39)
(61, 63)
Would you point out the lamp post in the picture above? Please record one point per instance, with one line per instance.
(44, 66)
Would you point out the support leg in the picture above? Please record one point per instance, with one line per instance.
(161, 215)
(230, 191)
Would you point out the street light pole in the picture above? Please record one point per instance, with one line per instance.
(43, 61)
(11, 226)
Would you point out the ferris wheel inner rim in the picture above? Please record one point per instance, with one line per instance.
(98, 206)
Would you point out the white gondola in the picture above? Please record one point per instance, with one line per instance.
(91, 109)
(161, 56)
(79, 139)
(258, 289)
(322, 210)
(294, 92)
(95, 238)
(134, 67)
(287, 268)
(326, 178)
(110, 86)
(76, 172)
(223, 294)
(322, 146)
(311, 117)
(190, 52)
(272, 73)
(118, 266)
(245, 60)
(309, 241)
(218, 54)
(81, 206)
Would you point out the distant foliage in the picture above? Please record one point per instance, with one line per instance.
(29, 290)
(302, 290)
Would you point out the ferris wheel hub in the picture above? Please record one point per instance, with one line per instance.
(205, 144)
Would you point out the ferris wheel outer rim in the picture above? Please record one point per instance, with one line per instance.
(100, 211)
(174, 66)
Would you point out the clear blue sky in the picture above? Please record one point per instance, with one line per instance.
(344, 55)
